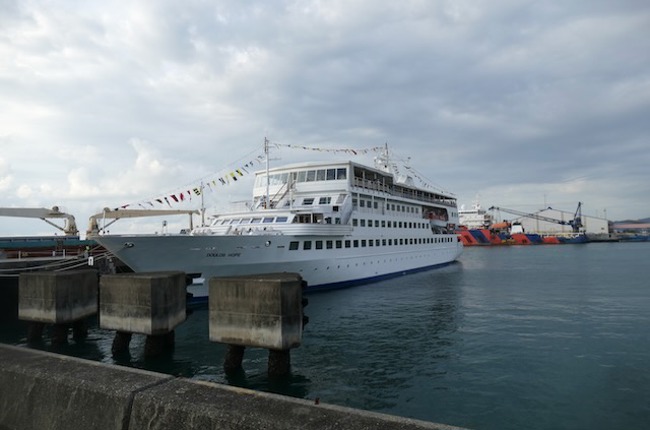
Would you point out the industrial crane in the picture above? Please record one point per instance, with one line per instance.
(575, 223)
(70, 228)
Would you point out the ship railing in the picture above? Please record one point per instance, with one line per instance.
(401, 192)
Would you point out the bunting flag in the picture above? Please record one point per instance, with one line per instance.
(332, 150)
(232, 175)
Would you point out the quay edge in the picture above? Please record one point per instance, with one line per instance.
(41, 390)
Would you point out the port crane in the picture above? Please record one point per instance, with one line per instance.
(70, 227)
(575, 223)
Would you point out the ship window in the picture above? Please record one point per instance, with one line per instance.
(341, 173)
(383, 242)
(354, 202)
(369, 223)
(319, 244)
(320, 175)
(281, 219)
(363, 223)
(371, 242)
(324, 200)
(256, 220)
(331, 174)
(339, 244)
(347, 243)
(306, 245)
(377, 242)
(363, 243)
(329, 244)
(301, 176)
(267, 220)
(246, 221)
(308, 201)
(311, 175)
(362, 203)
(383, 223)
(355, 222)
(293, 246)
(376, 205)
(356, 243)
(401, 241)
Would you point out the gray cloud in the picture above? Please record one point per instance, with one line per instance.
(516, 101)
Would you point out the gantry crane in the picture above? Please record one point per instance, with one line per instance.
(575, 223)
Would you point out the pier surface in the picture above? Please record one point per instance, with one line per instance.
(40, 391)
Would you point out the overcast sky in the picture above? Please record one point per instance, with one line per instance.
(524, 103)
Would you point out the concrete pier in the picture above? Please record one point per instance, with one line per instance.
(59, 298)
(40, 390)
(152, 304)
(263, 311)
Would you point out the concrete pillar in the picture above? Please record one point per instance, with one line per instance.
(59, 334)
(58, 298)
(263, 311)
(152, 304)
(234, 358)
(279, 362)
(121, 342)
(156, 345)
(35, 331)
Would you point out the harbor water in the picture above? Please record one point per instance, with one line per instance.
(535, 337)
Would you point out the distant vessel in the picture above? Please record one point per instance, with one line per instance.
(334, 223)
(478, 228)
(475, 217)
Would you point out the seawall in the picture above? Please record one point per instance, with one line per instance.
(42, 391)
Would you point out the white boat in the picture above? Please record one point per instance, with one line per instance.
(474, 217)
(334, 223)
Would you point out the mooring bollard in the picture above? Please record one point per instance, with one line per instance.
(152, 304)
(58, 298)
(263, 311)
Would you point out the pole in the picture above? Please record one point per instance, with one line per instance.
(267, 203)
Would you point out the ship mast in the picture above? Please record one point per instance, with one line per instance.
(267, 203)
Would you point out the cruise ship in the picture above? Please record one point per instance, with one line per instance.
(334, 223)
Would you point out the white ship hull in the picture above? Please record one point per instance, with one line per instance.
(209, 256)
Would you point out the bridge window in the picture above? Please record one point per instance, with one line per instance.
(306, 245)
(293, 246)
